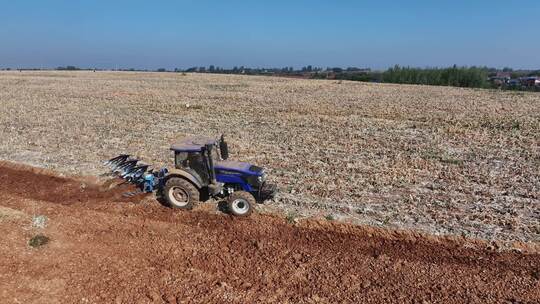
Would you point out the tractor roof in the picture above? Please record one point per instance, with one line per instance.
(192, 144)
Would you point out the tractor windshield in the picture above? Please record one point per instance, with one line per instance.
(194, 161)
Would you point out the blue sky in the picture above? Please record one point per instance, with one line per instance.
(169, 34)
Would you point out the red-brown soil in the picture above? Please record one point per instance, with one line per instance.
(108, 249)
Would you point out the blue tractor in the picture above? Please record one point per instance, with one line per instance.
(202, 170)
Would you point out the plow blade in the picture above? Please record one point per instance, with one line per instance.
(135, 173)
(125, 167)
(128, 168)
(117, 160)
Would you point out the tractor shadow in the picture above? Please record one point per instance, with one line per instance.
(221, 204)
(161, 200)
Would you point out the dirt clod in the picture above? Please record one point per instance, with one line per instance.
(38, 241)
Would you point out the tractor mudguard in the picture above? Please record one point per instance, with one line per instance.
(192, 177)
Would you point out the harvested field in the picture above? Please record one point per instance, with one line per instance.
(101, 249)
(434, 159)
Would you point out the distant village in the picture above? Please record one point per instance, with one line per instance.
(510, 80)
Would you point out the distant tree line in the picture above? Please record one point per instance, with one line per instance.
(250, 71)
(68, 68)
(469, 77)
(472, 77)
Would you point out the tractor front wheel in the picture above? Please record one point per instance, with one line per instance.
(180, 193)
(241, 203)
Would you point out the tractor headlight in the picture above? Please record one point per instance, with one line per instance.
(261, 178)
(256, 180)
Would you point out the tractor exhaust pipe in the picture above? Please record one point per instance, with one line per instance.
(210, 163)
(223, 148)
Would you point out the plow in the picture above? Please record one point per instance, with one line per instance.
(131, 170)
(201, 171)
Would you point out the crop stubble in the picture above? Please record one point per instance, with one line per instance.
(436, 159)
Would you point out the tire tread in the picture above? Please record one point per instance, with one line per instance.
(185, 184)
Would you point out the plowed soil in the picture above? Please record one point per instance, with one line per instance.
(105, 248)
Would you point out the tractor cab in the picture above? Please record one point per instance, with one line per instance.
(196, 156)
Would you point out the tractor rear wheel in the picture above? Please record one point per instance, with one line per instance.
(241, 203)
(180, 193)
